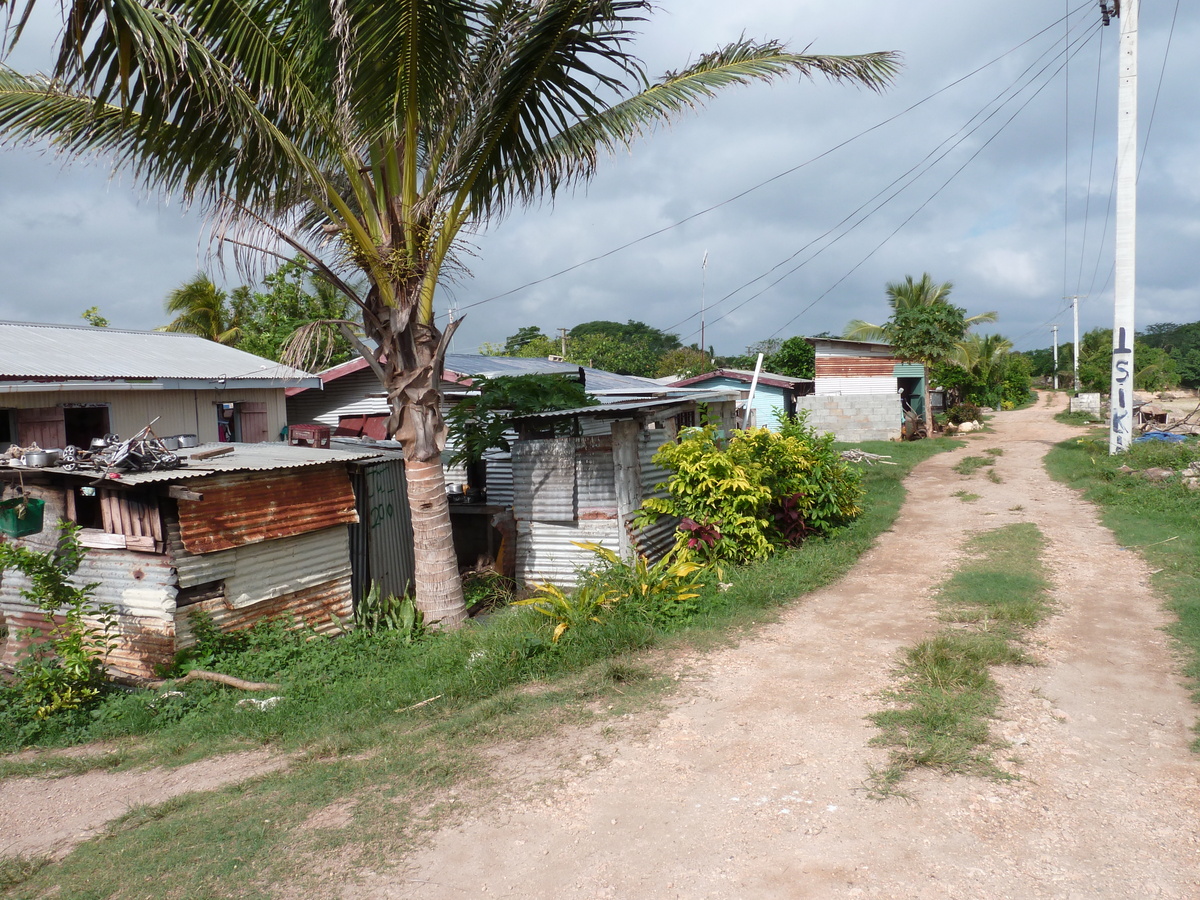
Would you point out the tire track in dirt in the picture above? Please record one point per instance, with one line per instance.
(751, 785)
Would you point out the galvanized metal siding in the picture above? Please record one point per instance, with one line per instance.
(596, 489)
(140, 587)
(546, 552)
(544, 480)
(270, 569)
(654, 540)
(193, 569)
(244, 509)
(499, 477)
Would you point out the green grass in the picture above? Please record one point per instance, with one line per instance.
(1077, 418)
(966, 496)
(360, 747)
(969, 465)
(1159, 520)
(939, 715)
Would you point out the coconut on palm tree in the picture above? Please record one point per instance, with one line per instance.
(367, 136)
(907, 294)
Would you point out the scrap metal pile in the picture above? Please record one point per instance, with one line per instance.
(144, 452)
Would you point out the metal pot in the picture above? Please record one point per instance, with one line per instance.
(37, 458)
(171, 442)
(187, 440)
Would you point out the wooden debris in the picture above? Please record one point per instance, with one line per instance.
(863, 456)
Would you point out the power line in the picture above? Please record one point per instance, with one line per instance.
(762, 184)
(962, 134)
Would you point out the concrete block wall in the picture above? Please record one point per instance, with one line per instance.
(854, 417)
(1089, 403)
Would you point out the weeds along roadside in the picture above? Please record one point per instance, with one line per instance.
(359, 737)
(1158, 519)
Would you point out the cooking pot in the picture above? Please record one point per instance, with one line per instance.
(171, 442)
(187, 440)
(37, 458)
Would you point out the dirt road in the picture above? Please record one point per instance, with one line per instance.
(751, 786)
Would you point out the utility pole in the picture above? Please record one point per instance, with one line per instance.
(703, 286)
(1054, 331)
(1075, 345)
(562, 333)
(1121, 393)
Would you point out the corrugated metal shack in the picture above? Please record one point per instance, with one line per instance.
(264, 531)
(581, 474)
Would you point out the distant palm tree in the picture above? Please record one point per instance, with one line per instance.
(983, 355)
(905, 295)
(200, 307)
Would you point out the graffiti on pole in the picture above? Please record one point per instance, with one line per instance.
(1122, 390)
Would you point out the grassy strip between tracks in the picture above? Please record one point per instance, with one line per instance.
(938, 717)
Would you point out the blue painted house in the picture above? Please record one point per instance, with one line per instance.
(772, 394)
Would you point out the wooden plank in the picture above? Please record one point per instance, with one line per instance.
(627, 473)
(209, 454)
(145, 544)
(177, 492)
(99, 540)
(106, 511)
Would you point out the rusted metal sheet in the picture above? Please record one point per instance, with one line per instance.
(245, 509)
(860, 366)
(654, 540)
(546, 551)
(322, 607)
(194, 569)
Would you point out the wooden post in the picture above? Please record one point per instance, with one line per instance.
(627, 472)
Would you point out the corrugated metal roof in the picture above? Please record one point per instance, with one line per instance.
(624, 407)
(70, 352)
(264, 457)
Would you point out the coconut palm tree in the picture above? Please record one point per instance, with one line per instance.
(905, 295)
(367, 136)
(200, 307)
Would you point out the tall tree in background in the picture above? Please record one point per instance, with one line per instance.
(200, 307)
(367, 136)
(907, 294)
(928, 334)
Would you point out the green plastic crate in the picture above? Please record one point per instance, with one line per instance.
(19, 517)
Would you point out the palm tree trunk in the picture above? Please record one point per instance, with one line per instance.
(414, 354)
(439, 593)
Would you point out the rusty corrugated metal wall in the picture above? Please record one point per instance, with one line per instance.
(261, 506)
(140, 587)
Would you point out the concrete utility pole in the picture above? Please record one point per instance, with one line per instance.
(1121, 395)
(1075, 345)
(1054, 331)
(562, 333)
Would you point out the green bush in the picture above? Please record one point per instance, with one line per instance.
(61, 675)
(963, 412)
(754, 492)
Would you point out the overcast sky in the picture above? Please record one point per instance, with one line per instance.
(1012, 203)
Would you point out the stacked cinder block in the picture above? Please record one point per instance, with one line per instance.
(854, 417)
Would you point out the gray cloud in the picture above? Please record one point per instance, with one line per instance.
(998, 229)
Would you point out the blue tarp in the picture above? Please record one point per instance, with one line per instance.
(1166, 436)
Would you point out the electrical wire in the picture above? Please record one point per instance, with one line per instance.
(963, 133)
(764, 183)
(1082, 41)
